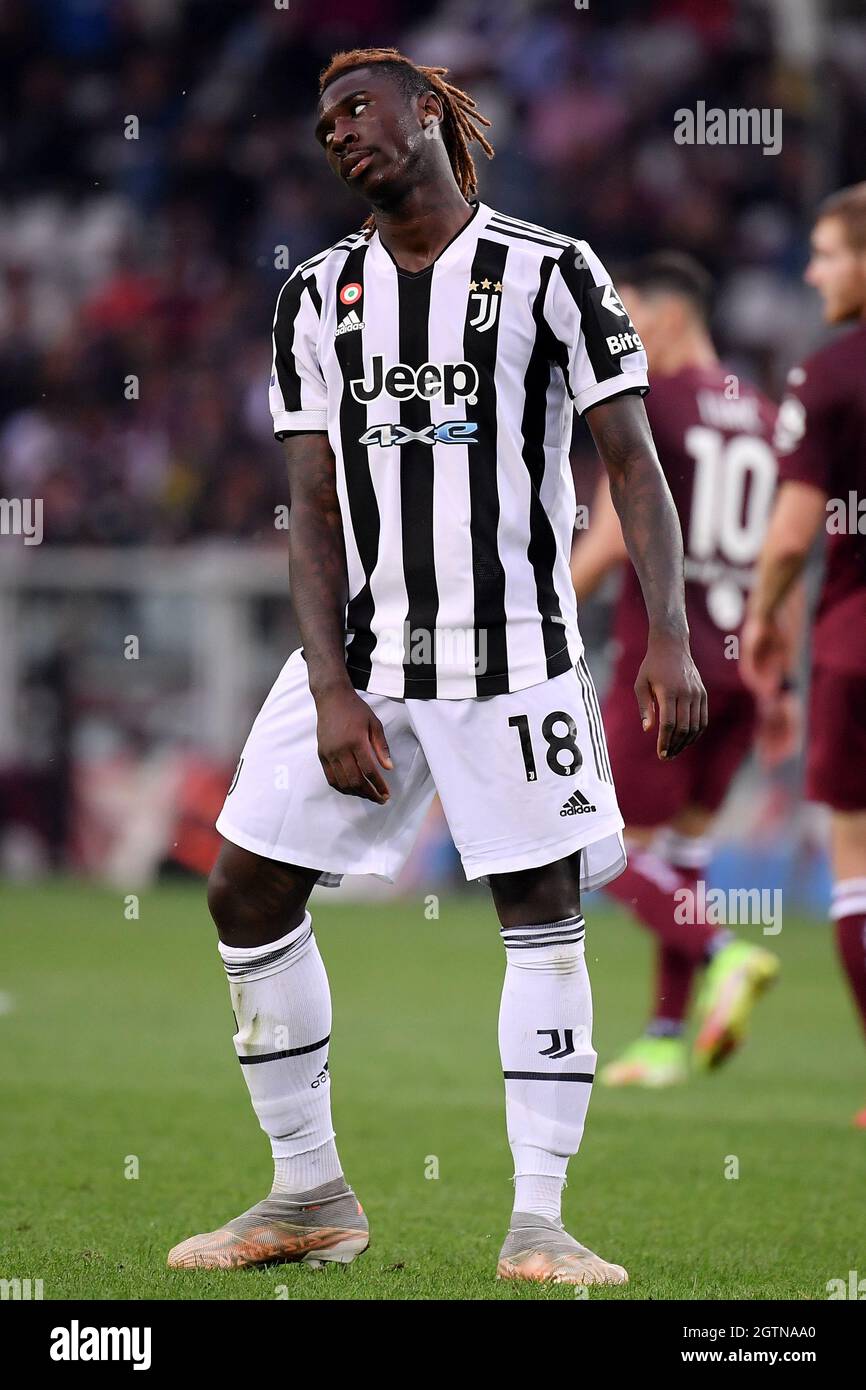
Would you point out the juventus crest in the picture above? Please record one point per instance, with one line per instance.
(487, 293)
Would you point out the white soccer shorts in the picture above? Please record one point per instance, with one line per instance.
(523, 778)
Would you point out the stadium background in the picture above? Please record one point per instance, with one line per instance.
(137, 283)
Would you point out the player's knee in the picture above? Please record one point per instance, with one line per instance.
(221, 894)
(248, 895)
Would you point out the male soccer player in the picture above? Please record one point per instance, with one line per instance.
(425, 370)
(821, 443)
(712, 432)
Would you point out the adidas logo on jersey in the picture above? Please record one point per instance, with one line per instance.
(350, 324)
(577, 805)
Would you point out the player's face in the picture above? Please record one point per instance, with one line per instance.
(837, 271)
(372, 134)
(649, 315)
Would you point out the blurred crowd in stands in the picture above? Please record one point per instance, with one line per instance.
(138, 275)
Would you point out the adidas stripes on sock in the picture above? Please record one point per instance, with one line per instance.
(282, 1008)
(548, 1061)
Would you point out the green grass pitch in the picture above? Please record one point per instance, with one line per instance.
(116, 1042)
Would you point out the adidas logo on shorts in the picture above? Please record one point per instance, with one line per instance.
(577, 805)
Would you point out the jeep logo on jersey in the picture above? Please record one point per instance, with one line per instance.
(624, 342)
(450, 432)
(452, 381)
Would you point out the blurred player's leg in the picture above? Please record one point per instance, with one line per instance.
(282, 1007)
(661, 865)
(659, 1057)
(674, 977)
(737, 975)
(848, 910)
(687, 848)
(651, 888)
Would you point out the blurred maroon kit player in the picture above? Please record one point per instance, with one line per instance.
(713, 436)
(710, 496)
(821, 443)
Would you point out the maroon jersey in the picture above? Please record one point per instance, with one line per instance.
(717, 456)
(821, 439)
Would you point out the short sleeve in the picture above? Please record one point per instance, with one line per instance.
(598, 346)
(298, 394)
(803, 439)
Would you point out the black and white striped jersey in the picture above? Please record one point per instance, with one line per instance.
(447, 395)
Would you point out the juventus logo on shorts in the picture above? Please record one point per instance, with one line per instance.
(485, 292)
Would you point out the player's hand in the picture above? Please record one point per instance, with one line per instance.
(352, 746)
(780, 723)
(668, 683)
(764, 655)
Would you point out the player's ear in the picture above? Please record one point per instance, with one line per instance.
(430, 107)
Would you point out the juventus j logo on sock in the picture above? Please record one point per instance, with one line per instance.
(561, 1042)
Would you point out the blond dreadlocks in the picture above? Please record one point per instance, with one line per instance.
(461, 119)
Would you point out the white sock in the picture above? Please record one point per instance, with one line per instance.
(538, 1194)
(546, 1010)
(282, 1007)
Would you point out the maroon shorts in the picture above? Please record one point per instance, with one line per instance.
(651, 792)
(836, 757)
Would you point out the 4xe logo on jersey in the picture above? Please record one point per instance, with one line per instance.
(448, 432)
(452, 381)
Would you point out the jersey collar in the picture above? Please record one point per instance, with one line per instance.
(476, 222)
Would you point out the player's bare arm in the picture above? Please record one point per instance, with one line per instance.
(651, 530)
(797, 516)
(352, 743)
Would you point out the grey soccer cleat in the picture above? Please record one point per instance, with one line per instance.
(325, 1225)
(539, 1249)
